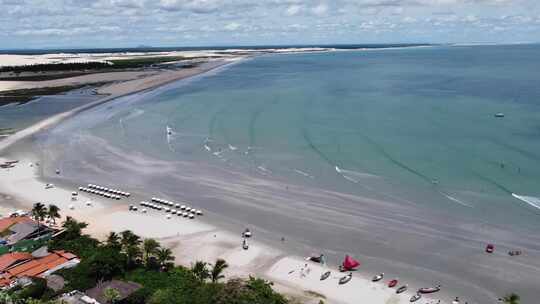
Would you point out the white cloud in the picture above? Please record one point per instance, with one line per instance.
(233, 26)
(293, 10)
(320, 9)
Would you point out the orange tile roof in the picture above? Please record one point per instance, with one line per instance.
(15, 271)
(7, 222)
(38, 266)
(67, 255)
(8, 259)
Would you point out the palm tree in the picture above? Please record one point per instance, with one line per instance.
(150, 247)
(130, 245)
(217, 270)
(111, 295)
(53, 212)
(113, 240)
(164, 257)
(73, 228)
(200, 270)
(511, 299)
(129, 238)
(39, 212)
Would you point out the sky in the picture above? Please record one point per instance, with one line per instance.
(130, 23)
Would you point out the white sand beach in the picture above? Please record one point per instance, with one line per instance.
(192, 240)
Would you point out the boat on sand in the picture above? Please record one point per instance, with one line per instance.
(325, 275)
(392, 283)
(402, 289)
(378, 277)
(429, 289)
(349, 264)
(345, 279)
(415, 297)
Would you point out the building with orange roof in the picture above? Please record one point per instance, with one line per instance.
(12, 259)
(36, 267)
(7, 222)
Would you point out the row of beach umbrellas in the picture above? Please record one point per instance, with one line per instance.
(101, 193)
(185, 213)
(105, 189)
(177, 206)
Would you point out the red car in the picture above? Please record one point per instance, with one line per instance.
(490, 248)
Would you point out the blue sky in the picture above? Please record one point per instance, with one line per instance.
(124, 23)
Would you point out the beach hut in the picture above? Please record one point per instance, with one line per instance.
(179, 213)
(177, 206)
(71, 207)
(143, 211)
(127, 194)
(131, 207)
(191, 216)
(188, 209)
(168, 216)
(135, 208)
(81, 189)
(182, 207)
(89, 203)
(167, 210)
(184, 214)
(173, 211)
(199, 212)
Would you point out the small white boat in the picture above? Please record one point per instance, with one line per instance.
(499, 115)
(415, 297)
(377, 277)
(169, 130)
(345, 279)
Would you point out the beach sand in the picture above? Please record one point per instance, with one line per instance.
(191, 240)
(420, 247)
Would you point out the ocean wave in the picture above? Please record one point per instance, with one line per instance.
(453, 199)
(530, 200)
(303, 173)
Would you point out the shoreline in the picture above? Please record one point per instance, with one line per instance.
(280, 276)
(260, 259)
(113, 91)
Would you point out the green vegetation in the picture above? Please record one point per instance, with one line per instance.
(511, 299)
(85, 67)
(52, 67)
(125, 256)
(6, 131)
(144, 61)
(25, 95)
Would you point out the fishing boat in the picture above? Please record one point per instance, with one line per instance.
(429, 289)
(402, 289)
(392, 283)
(378, 277)
(415, 297)
(325, 275)
(345, 279)
(349, 264)
(499, 115)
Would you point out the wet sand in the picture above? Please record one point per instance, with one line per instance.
(421, 247)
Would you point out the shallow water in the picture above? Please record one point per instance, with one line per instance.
(279, 142)
(17, 117)
(410, 124)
